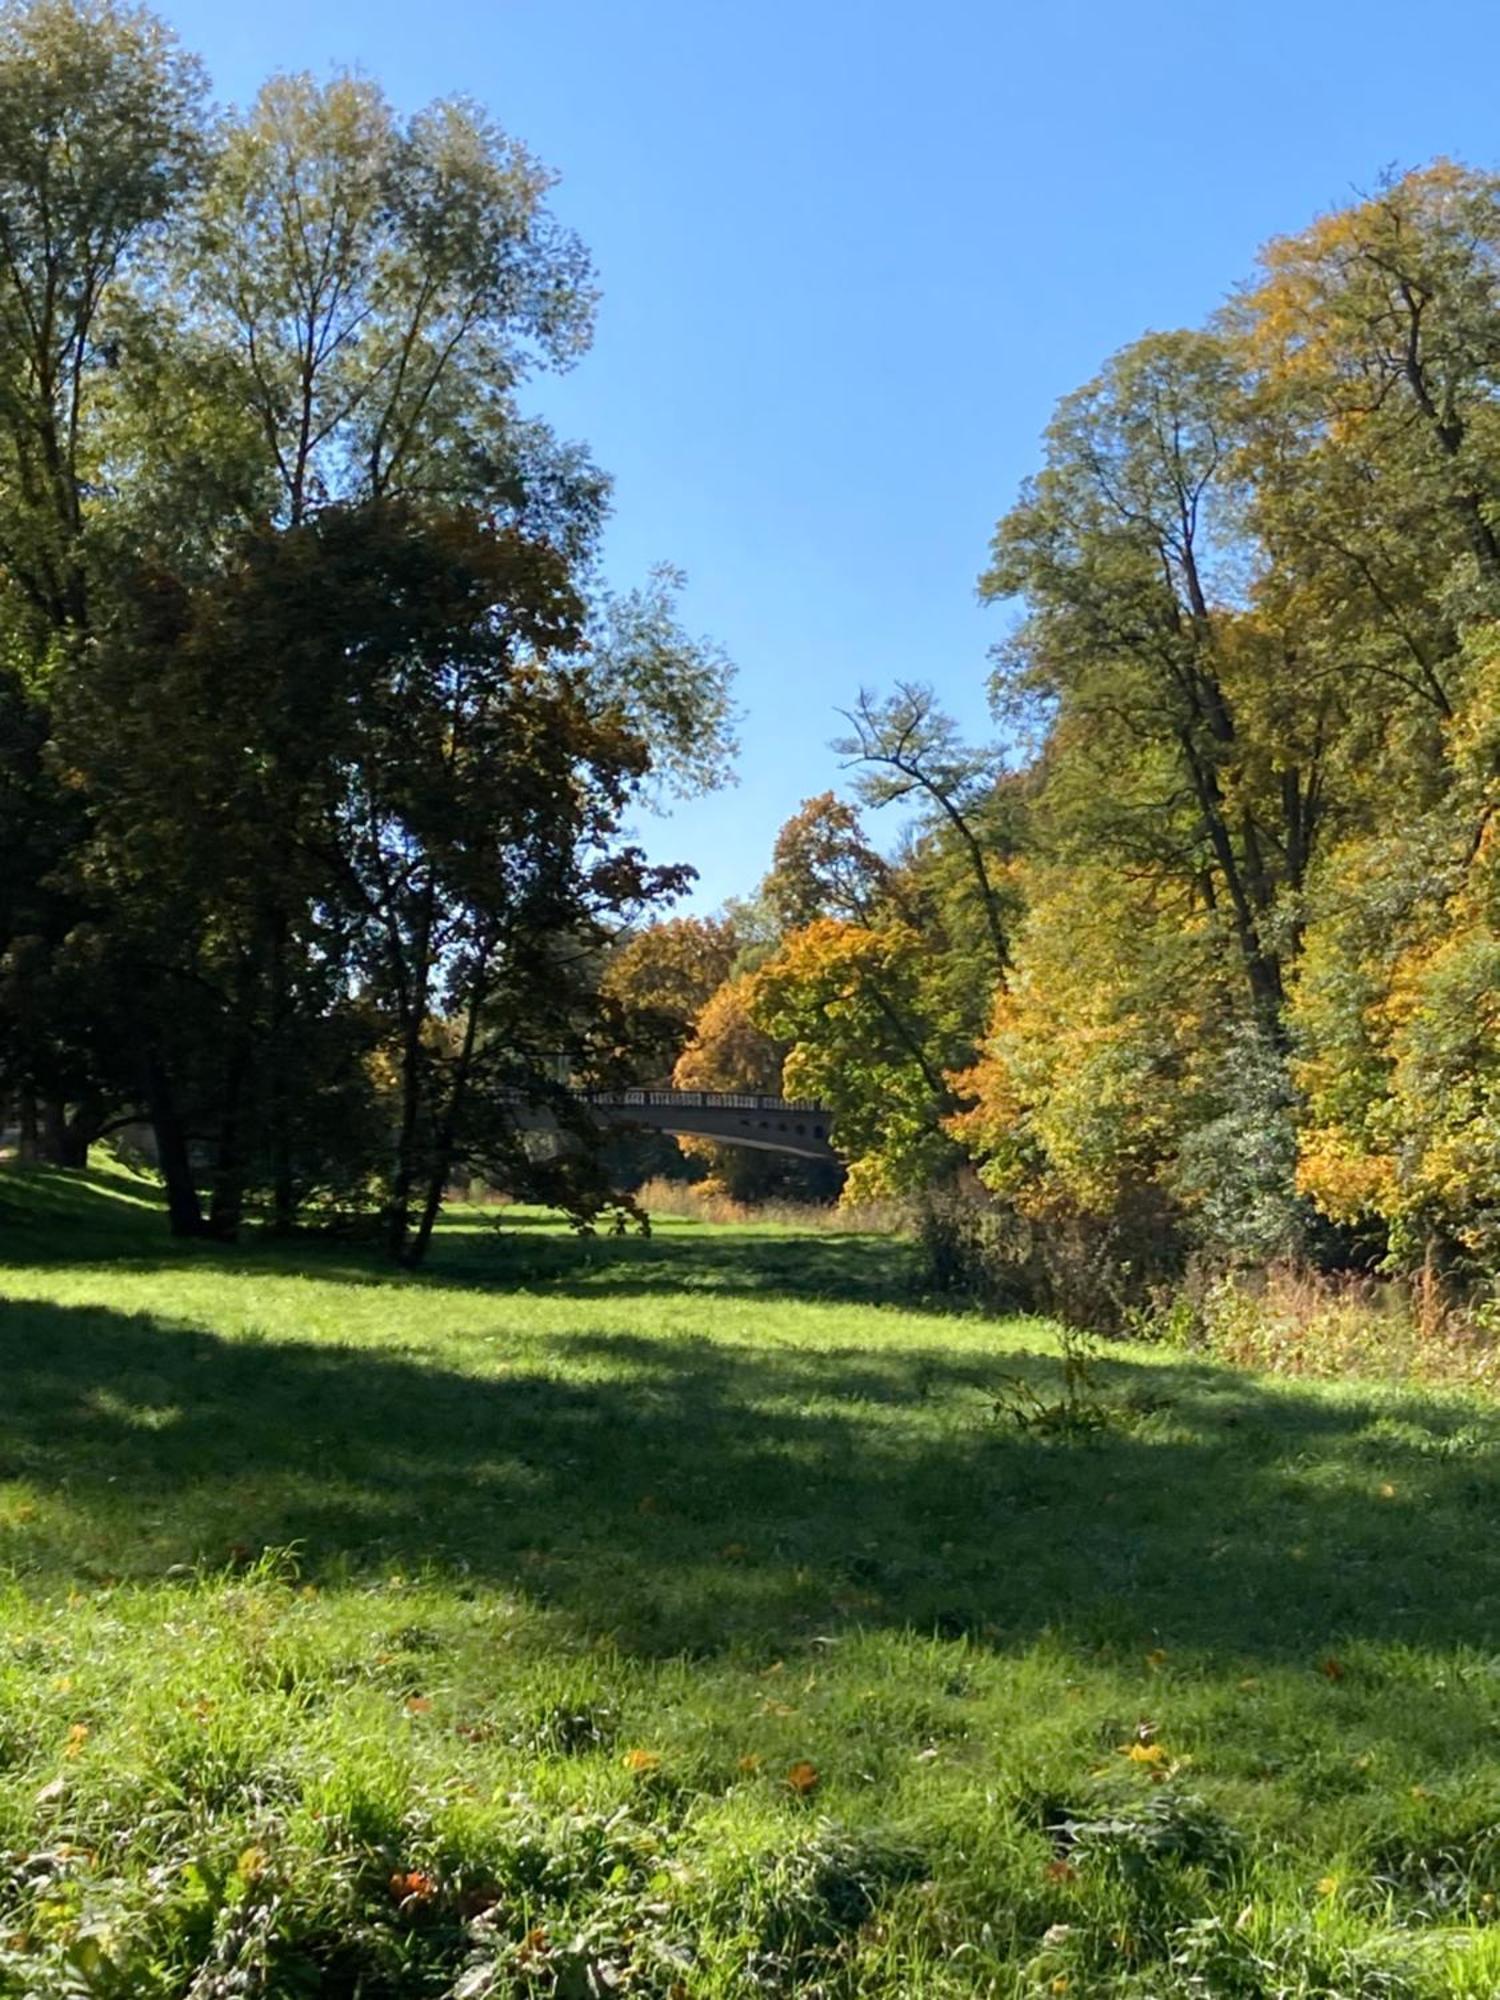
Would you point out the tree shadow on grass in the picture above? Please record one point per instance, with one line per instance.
(49, 1217)
(683, 1494)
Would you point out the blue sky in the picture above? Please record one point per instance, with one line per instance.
(853, 251)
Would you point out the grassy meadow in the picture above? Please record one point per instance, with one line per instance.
(679, 1617)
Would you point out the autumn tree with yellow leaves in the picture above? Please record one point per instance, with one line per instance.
(1217, 943)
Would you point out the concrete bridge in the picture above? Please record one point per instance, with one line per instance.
(766, 1124)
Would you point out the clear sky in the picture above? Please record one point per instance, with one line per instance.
(852, 251)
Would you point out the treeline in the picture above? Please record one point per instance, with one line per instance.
(1208, 959)
(318, 727)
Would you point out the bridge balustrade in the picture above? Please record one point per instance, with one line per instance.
(707, 1100)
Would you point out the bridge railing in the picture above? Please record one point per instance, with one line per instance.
(706, 1100)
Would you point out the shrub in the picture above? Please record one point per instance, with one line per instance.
(1290, 1320)
(1087, 1271)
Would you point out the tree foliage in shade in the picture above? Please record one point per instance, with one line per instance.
(320, 722)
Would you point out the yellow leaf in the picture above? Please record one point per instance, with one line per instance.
(1144, 1753)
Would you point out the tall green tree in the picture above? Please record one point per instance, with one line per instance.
(101, 120)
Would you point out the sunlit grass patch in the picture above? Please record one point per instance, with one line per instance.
(682, 1617)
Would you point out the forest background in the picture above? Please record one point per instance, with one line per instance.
(322, 729)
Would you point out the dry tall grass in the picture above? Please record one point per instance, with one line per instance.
(701, 1201)
(1292, 1321)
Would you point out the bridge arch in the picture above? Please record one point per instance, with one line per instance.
(795, 1125)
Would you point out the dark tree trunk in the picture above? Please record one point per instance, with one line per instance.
(78, 1134)
(404, 1168)
(47, 1135)
(447, 1134)
(55, 1138)
(1262, 972)
(432, 1204)
(29, 1149)
(284, 1202)
(54, 1132)
(227, 1198)
(184, 1211)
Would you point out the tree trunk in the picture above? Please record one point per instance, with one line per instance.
(413, 1019)
(227, 1198)
(404, 1167)
(54, 1132)
(432, 1204)
(1262, 972)
(78, 1134)
(447, 1135)
(284, 1202)
(29, 1148)
(48, 1138)
(184, 1211)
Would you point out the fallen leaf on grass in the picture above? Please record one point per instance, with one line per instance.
(1144, 1753)
(413, 1885)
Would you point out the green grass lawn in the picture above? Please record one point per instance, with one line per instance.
(678, 1618)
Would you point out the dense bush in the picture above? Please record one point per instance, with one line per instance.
(1087, 1271)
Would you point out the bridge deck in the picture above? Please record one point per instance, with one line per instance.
(732, 1118)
